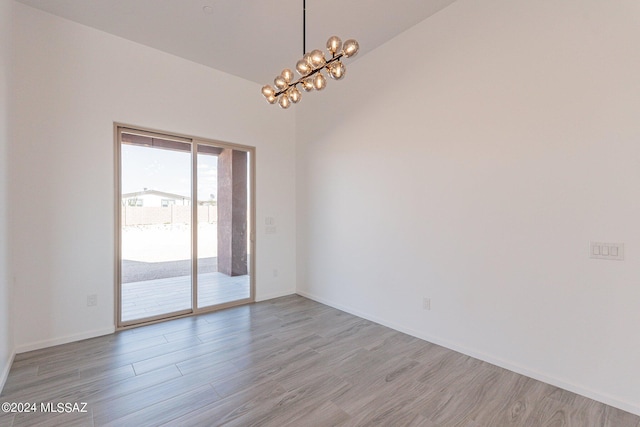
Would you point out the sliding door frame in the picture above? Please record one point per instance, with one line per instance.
(118, 129)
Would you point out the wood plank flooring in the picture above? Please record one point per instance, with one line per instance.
(284, 362)
(171, 294)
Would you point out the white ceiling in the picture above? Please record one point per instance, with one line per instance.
(253, 39)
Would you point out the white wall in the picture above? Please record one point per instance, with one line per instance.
(6, 336)
(72, 83)
(471, 160)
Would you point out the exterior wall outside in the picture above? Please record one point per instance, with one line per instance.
(132, 215)
(152, 200)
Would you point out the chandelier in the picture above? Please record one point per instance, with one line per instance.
(310, 68)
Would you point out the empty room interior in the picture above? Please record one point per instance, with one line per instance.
(443, 237)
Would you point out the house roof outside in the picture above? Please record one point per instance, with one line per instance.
(155, 193)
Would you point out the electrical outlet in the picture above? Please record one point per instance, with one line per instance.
(92, 300)
(426, 303)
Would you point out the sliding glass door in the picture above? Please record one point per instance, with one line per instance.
(155, 227)
(223, 246)
(184, 226)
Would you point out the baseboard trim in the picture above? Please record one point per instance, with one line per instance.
(5, 371)
(37, 345)
(509, 365)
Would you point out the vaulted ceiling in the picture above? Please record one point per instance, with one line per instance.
(252, 39)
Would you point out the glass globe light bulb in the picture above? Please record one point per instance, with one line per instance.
(287, 75)
(317, 58)
(294, 95)
(284, 102)
(334, 44)
(307, 58)
(271, 99)
(303, 68)
(319, 81)
(280, 82)
(336, 70)
(268, 91)
(350, 48)
(307, 84)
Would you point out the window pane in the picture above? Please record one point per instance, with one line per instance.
(156, 229)
(223, 263)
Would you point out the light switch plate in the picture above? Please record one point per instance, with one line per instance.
(270, 229)
(602, 250)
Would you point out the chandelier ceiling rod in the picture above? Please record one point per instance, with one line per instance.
(310, 68)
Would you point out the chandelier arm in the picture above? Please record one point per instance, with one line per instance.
(285, 92)
(317, 70)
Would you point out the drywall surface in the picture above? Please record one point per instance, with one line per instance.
(6, 334)
(72, 83)
(470, 161)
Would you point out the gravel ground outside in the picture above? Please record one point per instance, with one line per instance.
(160, 251)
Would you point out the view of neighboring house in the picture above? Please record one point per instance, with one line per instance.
(156, 199)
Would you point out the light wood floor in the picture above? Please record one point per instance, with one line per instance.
(288, 361)
(160, 296)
